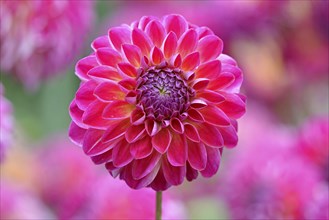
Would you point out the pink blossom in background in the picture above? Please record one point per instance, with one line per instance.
(6, 124)
(19, 203)
(113, 199)
(157, 102)
(73, 189)
(313, 143)
(267, 179)
(65, 178)
(39, 39)
(228, 19)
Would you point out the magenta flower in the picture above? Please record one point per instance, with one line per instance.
(40, 38)
(17, 202)
(313, 144)
(157, 102)
(6, 123)
(63, 178)
(113, 199)
(267, 179)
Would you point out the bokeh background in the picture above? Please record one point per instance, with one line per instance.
(279, 170)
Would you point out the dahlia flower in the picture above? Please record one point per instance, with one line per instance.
(313, 143)
(6, 123)
(113, 199)
(16, 202)
(63, 177)
(73, 189)
(268, 180)
(39, 39)
(157, 102)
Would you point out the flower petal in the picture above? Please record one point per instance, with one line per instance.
(121, 154)
(104, 72)
(134, 133)
(203, 31)
(137, 116)
(156, 32)
(197, 155)
(76, 133)
(233, 106)
(93, 115)
(107, 56)
(116, 130)
(198, 103)
(141, 40)
(177, 151)
(209, 70)
(195, 115)
(191, 61)
(128, 69)
(191, 132)
(177, 125)
(91, 138)
(142, 167)
(76, 114)
(210, 47)
(84, 65)
(210, 96)
(173, 174)
(152, 127)
(119, 36)
(170, 45)
(128, 84)
(191, 174)
(224, 79)
(175, 23)
(102, 158)
(109, 91)
(85, 94)
(133, 54)
(102, 41)
(160, 183)
(161, 140)
(213, 161)
(200, 83)
(215, 116)
(118, 110)
(229, 135)
(140, 183)
(141, 148)
(209, 135)
(156, 56)
(188, 42)
(144, 21)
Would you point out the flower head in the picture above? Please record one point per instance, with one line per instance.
(313, 143)
(157, 102)
(40, 38)
(6, 123)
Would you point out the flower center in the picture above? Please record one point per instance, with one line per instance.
(163, 95)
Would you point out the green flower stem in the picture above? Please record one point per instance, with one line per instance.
(158, 210)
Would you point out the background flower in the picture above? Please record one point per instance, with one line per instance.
(157, 102)
(6, 124)
(40, 39)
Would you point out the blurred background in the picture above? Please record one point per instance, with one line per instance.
(279, 170)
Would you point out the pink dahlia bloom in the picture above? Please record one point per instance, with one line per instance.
(6, 123)
(17, 202)
(40, 38)
(63, 178)
(314, 144)
(157, 102)
(266, 179)
(112, 199)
